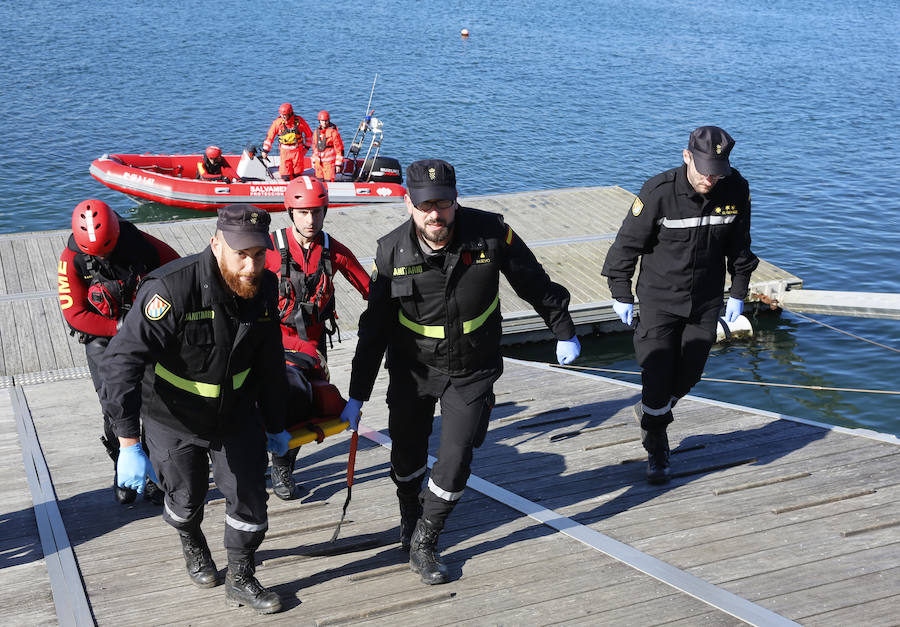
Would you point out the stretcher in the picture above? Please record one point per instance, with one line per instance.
(325, 420)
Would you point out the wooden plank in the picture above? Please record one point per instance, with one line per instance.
(9, 338)
(832, 303)
(9, 280)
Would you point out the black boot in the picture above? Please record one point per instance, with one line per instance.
(153, 493)
(410, 512)
(283, 484)
(124, 496)
(200, 566)
(242, 588)
(656, 443)
(423, 557)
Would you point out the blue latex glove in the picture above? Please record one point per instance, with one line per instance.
(352, 413)
(625, 311)
(132, 468)
(568, 351)
(278, 443)
(733, 308)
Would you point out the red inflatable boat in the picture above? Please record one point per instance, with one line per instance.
(171, 180)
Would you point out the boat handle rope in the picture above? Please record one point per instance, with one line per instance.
(853, 335)
(763, 383)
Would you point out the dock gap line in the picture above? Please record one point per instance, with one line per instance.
(701, 590)
(759, 484)
(388, 608)
(826, 501)
(877, 526)
(69, 596)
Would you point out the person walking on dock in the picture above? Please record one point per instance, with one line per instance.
(305, 259)
(434, 305)
(201, 364)
(687, 225)
(99, 271)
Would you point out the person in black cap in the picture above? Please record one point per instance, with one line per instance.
(201, 365)
(687, 225)
(434, 304)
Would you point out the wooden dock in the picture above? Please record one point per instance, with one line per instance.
(768, 520)
(569, 231)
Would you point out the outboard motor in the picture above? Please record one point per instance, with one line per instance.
(381, 170)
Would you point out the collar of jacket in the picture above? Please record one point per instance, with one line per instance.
(683, 186)
(464, 238)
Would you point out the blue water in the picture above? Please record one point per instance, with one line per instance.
(542, 95)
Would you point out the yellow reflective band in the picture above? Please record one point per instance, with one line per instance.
(438, 332)
(207, 390)
(508, 235)
(238, 380)
(421, 329)
(474, 323)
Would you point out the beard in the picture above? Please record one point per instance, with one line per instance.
(243, 289)
(438, 236)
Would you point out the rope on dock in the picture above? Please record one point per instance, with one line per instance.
(853, 335)
(762, 383)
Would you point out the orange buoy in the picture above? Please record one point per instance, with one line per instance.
(464, 33)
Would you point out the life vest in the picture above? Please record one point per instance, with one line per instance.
(113, 282)
(305, 299)
(208, 167)
(320, 136)
(291, 133)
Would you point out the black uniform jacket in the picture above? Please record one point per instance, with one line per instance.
(685, 241)
(195, 358)
(439, 317)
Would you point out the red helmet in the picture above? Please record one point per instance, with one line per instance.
(213, 152)
(95, 226)
(324, 115)
(305, 192)
(286, 109)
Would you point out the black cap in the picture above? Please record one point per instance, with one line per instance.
(244, 226)
(710, 147)
(430, 179)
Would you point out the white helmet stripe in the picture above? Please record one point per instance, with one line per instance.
(307, 181)
(89, 222)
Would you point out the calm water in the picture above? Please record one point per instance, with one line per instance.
(542, 95)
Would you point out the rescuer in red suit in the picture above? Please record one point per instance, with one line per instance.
(305, 258)
(294, 136)
(210, 167)
(328, 148)
(99, 273)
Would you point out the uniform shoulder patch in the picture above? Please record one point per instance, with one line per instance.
(636, 207)
(156, 308)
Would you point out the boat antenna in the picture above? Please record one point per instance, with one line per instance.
(371, 93)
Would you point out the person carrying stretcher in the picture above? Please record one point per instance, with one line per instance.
(305, 259)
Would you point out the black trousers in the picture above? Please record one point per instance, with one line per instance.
(94, 351)
(239, 468)
(671, 351)
(463, 429)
